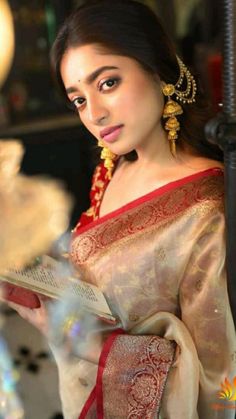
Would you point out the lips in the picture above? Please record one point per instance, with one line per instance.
(109, 130)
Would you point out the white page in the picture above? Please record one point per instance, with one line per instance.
(51, 278)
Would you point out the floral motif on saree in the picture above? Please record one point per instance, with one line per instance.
(131, 377)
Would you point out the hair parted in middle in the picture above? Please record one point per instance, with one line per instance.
(130, 28)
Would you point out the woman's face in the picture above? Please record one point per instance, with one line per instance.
(117, 100)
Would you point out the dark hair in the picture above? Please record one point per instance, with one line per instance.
(129, 28)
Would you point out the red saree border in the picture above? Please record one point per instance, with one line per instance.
(101, 365)
(143, 373)
(133, 376)
(214, 171)
(149, 214)
(96, 394)
(88, 404)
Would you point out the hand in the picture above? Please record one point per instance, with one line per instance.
(75, 331)
(38, 317)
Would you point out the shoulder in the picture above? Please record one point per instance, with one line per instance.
(206, 177)
(209, 192)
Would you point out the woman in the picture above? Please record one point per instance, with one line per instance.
(153, 238)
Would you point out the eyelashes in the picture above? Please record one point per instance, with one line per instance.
(104, 86)
(77, 102)
(108, 84)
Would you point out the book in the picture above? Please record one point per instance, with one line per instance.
(52, 278)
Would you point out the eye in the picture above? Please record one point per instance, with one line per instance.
(108, 84)
(77, 103)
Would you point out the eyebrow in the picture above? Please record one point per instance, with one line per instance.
(92, 77)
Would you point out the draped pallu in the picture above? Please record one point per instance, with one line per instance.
(160, 261)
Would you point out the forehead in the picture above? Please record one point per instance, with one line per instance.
(78, 62)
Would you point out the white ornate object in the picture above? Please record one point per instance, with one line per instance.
(6, 39)
(34, 211)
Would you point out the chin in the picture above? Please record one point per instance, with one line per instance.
(120, 151)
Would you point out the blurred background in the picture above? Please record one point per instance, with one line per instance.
(56, 144)
(32, 110)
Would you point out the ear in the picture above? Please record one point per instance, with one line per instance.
(157, 78)
(162, 84)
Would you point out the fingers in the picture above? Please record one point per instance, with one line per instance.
(38, 317)
(43, 304)
(43, 297)
(15, 306)
(24, 312)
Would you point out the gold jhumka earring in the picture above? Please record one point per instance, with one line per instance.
(109, 157)
(172, 108)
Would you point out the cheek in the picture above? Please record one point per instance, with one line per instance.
(88, 125)
(145, 104)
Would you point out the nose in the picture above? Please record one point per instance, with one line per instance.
(97, 111)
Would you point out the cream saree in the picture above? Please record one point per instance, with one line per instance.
(160, 262)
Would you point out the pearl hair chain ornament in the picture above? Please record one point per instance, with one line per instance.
(172, 108)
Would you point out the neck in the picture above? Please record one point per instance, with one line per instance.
(156, 152)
